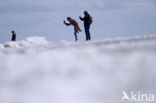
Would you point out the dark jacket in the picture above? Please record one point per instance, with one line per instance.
(13, 37)
(86, 20)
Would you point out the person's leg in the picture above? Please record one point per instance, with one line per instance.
(87, 32)
(75, 34)
(13, 38)
(89, 38)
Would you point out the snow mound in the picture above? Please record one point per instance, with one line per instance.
(28, 42)
(35, 70)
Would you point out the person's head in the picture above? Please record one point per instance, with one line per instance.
(69, 18)
(86, 12)
(13, 32)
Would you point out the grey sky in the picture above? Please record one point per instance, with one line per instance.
(112, 18)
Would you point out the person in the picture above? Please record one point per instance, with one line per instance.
(75, 24)
(13, 35)
(87, 19)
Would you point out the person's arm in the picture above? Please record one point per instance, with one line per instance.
(82, 19)
(68, 24)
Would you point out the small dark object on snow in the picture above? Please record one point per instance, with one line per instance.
(13, 35)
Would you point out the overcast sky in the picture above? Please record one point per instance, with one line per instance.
(111, 18)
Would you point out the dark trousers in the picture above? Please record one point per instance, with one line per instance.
(87, 32)
(13, 37)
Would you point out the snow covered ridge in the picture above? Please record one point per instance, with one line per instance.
(35, 70)
(42, 42)
(28, 42)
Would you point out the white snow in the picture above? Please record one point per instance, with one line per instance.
(35, 70)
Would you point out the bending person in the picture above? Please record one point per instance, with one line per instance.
(75, 25)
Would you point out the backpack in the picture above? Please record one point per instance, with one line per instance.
(90, 20)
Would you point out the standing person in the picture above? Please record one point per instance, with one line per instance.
(75, 25)
(87, 19)
(13, 35)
